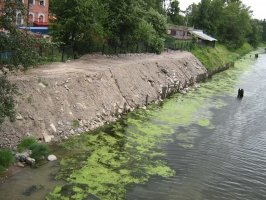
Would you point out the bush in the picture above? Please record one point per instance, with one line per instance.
(39, 151)
(26, 143)
(6, 158)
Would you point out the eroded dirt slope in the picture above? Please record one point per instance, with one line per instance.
(63, 99)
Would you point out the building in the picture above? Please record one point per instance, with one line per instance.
(184, 34)
(37, 15)
(179, 33)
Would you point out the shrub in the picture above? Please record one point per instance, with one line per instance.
(6, 158)
(26, 143)
(39, 151)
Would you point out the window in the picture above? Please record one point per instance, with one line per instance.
(179, 33)
(40, 18)
(31, 18)
(19, 19)
(31, 2)
(41, 2)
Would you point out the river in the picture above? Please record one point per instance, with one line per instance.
(205, 145)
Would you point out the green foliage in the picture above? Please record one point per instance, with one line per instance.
(23, 50)
(255, 36)
(263, 24)
(6, 158)
(29, 99)
(7, 103)
(229, 22)
(235, 25)
(2, 170)
(174, 13)
(26, 143)
(88, 23)
(213, 58)
(39, 150)
(78, 21)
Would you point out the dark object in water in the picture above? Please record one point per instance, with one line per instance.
(240, 93)
(256, 55)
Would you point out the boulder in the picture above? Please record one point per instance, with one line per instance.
(51, 158)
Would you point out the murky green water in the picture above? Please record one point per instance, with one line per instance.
(120, 160)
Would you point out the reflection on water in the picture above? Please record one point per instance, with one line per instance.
(204, 145)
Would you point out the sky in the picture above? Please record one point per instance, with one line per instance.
(258, 6)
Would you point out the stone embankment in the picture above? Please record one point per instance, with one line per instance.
(65, 99)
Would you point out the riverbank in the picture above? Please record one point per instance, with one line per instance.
(59, 100)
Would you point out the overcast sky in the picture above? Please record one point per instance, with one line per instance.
(258, 6)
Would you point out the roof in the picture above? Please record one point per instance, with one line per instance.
(203, 36)
(179, 28)
(181, 37)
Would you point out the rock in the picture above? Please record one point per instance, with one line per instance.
(72, 132)
(51, 158)
(19, 117)
(42, 85)
(53, 127)
(20, 164)
(22, 156)
(30, 161)
(47, 138)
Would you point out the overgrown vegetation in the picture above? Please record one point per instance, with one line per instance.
(39, 151)
(2, 170)
(220, 55)
(26, 143)
(6, 159)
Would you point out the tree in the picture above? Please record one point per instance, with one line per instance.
(202, 18)
(255, 36)
(119, 21)
(174, 13)
(19, 50)
(235, 25)
(263, 24)
(78, 20)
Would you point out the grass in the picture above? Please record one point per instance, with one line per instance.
(29, 99)
(213, 58)
(75, 123)
(39, 151)
(6, 158)
(26, 143)
(2, 170)
(262, 44)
